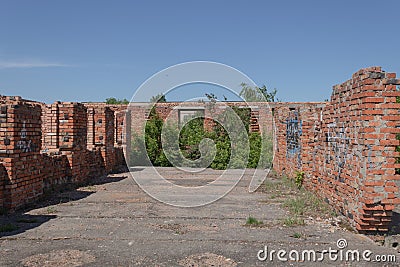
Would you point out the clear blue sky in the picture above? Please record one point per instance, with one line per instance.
(91, 50)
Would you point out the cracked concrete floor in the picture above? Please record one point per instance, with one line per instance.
(114, 223)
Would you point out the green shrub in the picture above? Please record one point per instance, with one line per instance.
(299, 178)
(297, 235)
(253, 221)
(247, 150)
(190, 136)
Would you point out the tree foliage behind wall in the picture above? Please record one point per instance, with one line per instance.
(190, 136)
(115, 101)
(258, 94)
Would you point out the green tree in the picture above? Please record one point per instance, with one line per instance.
(192, 134)
(152, 136)
(190, 137)
(258, 94)
(160, 98)
(115, 101)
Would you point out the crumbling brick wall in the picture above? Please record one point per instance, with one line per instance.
(296, 127)
(109, 131)
(104, 135)
(20, 151)
(45, 146)
(65, 137)
(346, 147)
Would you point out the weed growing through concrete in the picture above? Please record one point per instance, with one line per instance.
(299, 178)
(293, 221)
(51, 210)
(299, 202)
(297, 235)
(251, 221)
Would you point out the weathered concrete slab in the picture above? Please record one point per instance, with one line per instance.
(114, 223)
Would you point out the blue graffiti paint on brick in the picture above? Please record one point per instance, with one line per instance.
(293, 134)
(339, 143)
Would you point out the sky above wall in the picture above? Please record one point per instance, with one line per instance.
(92, 50)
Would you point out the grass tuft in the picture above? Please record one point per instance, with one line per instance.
(297, 235)
(51, 210)
(293, 221)
(253, 221)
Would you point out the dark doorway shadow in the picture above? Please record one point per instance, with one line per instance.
(394, 228)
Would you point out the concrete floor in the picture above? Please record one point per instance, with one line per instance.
(114, 223)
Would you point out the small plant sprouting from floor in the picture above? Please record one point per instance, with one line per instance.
(253, 221)
(275, 188)
(51, 210)
(296, 205)
(297, 235)
(298, 201)
(299, 178)
(293, 221)
(8, 227)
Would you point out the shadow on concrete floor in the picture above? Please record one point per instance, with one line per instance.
(20, 221)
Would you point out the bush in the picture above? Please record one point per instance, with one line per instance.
(189, 146)
(138, 155)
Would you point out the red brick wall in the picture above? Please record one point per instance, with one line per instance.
(56, 170)
(45, 146)
(20, 151)
(296, 127)
(50, 127)
(112, 136)
(346, 148)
